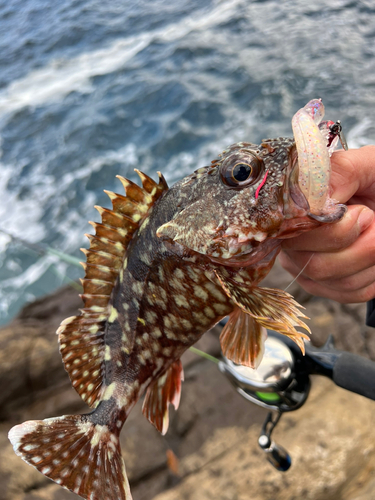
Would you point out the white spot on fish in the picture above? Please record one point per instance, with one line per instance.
(157, 332)
(100, 432)
(179, 274)
(220, 309)
(181, 301)
(167, 322)
(200, 293)
(137, 287)
(109, 391)
(107, 355)
(113, 315)
(94, 329)
(209, 312)
(30, 447)
(215, 291)
(201, 318)
(147, 354)
(141, 359)
(65, 472)
(151, 316)
(186, 324)
(162, 293)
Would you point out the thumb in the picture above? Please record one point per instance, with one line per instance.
(352, 172)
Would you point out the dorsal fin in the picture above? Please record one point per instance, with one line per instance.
(81, 338)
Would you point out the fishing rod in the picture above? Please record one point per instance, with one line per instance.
(282, 383)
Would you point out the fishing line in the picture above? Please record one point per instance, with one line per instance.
(301, 271)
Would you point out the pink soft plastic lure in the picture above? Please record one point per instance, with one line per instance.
(311, 135)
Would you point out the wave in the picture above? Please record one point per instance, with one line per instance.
(63, 76)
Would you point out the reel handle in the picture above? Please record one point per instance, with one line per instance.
(276, 455)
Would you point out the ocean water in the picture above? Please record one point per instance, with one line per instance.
(91, 89)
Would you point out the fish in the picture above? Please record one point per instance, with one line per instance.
(164, 266)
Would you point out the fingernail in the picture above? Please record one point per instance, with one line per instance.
(365, 218)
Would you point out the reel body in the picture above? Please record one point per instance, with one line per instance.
(282, 383)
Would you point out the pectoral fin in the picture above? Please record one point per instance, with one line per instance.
(165, 390)
(271, 308)
(242, 339)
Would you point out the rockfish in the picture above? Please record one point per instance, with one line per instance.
(165, 265)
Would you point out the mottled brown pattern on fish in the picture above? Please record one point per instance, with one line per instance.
(163, 267)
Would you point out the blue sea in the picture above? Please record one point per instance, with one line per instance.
(90, 89)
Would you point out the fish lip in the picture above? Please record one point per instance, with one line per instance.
(261, 251)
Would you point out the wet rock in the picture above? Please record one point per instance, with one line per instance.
(29, 355)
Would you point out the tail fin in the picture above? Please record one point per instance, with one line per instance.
(81, 456)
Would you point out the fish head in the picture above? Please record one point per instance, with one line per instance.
(238, 210)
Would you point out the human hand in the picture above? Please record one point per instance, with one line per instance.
(343, 265)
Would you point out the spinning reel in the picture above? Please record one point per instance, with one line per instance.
(281, 383)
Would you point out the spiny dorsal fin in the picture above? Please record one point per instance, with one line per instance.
(81, 337)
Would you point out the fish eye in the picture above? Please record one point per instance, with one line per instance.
(238, 171)
(241, 172)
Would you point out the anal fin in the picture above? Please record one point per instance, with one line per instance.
(242, 339)
(164, 391)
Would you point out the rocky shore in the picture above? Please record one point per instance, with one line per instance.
(214, 433)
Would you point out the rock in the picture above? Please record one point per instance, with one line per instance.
(330, 449)
(29, 356)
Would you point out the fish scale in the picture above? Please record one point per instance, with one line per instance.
(165, 265)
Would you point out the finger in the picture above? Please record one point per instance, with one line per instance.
(351, 283)
(344, 297)
(333, 265)
(352, 171)
(334, 236)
